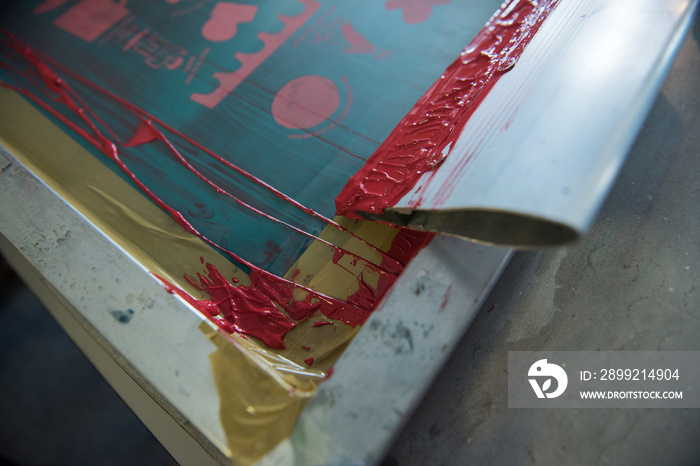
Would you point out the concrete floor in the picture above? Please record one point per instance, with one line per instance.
(632, 284)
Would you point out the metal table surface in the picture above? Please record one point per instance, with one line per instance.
(631, 284)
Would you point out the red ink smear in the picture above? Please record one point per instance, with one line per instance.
(224, 20)
(328, 374)
(305, 102)
(358, 42)
(322, 323)
(270, 306)
(228, 81)
(493, 306)
(309, 361)
(89, 19)
(272, 250)
(445, 299)
(306, 348)
(424, 136)
(244, 307)
(414, 11)
(407, 243)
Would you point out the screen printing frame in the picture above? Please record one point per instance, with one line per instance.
(158, 361)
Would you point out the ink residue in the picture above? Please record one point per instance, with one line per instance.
(270, 305)
(423, 138)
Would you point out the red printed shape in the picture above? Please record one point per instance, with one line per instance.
(90, 18)
(414, 11)
(49, 5)
(250, 61)
(358, 42)
(224, 20)
(305, 102)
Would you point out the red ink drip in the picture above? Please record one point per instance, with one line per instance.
(143, 135)
(445, 299)
(322, 323)
(424, 137)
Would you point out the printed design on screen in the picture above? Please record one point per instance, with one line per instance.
(104, 21)
(340, 32)
(270, 305)
(90, 19)
(228, 81)
(306, 103)
(224, 20)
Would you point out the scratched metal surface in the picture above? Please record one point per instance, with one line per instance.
(87, 279)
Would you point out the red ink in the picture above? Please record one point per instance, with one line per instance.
(306, 348)
(246, 316)
(328, 373)
(414, 11)
(322, 323)
(407, 243)
(309, 361)
(445, 299)
(143, 135)
(272, 250)
(250, 61)
(224, 20)
(425, 135)
(493, 306)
